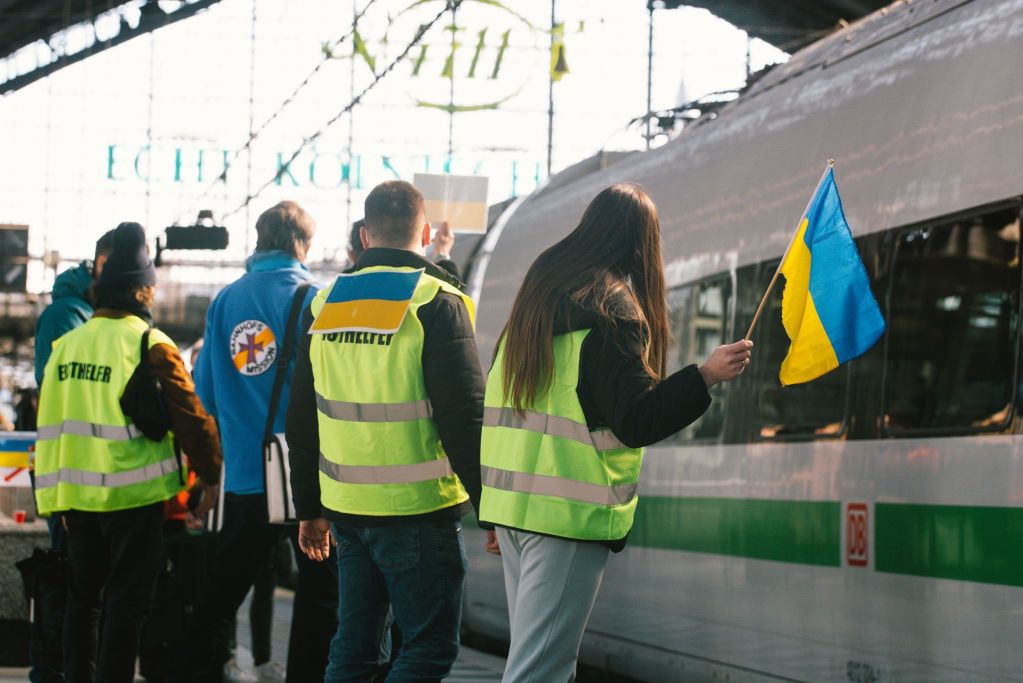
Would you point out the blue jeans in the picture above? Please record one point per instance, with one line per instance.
(419, 569)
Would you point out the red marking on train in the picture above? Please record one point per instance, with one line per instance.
(856, 539)
(13, 474)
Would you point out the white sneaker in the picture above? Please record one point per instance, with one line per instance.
(233, 673)
(270, 672)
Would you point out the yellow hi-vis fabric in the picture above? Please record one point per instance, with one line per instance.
(380, 454)
(545, 471)
(88, 454)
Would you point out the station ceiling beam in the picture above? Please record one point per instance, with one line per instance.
(47, 24)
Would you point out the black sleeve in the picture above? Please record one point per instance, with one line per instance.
(450, 266)
(615, 390)
(454, 384)
(302, 432)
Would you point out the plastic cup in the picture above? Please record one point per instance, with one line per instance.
(19, 516)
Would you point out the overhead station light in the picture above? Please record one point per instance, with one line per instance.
(204, 235)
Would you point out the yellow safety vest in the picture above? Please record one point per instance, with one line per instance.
(89, 456)
(380, 454)
(544, 470)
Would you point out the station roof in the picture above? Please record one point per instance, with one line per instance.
(24, 22)
(786, 24)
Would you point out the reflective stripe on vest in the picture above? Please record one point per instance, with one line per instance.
(68, 475)
(552, 425)
(374, 412)
(546, 485)
(386, 474)
(82, 428)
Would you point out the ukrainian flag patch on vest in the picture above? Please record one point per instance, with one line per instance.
(375, 301)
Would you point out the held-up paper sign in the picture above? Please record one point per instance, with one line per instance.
(461, 200)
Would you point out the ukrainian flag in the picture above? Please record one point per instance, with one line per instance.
(828, 309)
(16, 451)
(372, 301)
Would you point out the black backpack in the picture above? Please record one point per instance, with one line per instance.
(142, 399)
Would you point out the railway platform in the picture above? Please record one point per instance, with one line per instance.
(473, 666)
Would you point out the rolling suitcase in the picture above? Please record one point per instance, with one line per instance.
(173, 619)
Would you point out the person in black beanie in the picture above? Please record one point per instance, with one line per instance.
(107, 479)
(128, 279)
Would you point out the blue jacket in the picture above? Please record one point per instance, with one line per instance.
(234, 373)
(69, 309)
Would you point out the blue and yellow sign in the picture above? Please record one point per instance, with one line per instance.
(16, 450)
(374, 301)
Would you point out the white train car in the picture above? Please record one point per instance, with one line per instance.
(867, 526)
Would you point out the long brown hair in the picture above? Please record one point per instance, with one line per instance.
(617, 244)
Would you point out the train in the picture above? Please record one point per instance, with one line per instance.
(866, 526)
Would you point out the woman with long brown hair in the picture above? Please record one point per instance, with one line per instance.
(577, 389)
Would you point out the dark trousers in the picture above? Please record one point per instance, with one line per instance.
(419, 570)
(114, 559)
(261, 614)
(261, 606)
(246, 544)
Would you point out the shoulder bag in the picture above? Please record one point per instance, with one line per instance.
(276, 467)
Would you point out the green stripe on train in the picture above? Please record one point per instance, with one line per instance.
(967, 543)
(805, 532)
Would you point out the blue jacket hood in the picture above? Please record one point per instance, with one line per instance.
(69, 309)
(73, 282)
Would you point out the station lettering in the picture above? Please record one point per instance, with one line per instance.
(318, 170)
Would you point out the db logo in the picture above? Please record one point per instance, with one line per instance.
(856, 539)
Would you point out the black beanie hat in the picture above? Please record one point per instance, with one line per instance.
(129, 264)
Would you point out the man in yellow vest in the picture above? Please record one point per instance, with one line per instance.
(108, 480)
(384, 430)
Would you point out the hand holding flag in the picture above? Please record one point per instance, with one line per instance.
(726, 362)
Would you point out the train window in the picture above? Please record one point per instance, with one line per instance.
(814, 410)
(953, 307)
(699, 324)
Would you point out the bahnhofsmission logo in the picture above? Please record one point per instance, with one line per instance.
(253, 347)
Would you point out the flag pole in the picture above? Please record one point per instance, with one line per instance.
(763, 300)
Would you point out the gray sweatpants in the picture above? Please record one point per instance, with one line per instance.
(551, 585)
